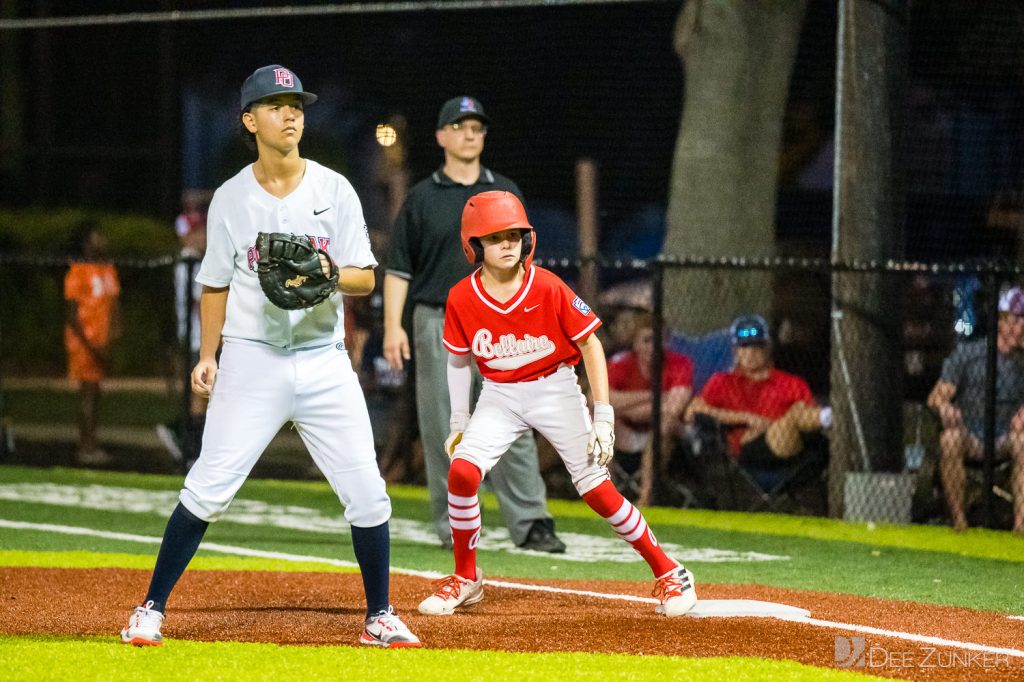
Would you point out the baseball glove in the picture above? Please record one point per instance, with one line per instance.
(290, 272)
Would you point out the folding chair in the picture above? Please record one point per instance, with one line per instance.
(929, 505)
(776, 488)
(974, 495)
(780, 488)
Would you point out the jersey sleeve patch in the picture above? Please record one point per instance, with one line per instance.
(579, 305)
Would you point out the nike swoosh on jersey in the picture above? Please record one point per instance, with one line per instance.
(526, 310)
(316, 212)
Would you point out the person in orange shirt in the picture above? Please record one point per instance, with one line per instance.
(91, 290)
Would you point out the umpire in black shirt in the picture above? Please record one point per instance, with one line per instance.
(426, 261)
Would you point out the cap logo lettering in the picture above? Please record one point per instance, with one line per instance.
(467, 104)
(283, 77)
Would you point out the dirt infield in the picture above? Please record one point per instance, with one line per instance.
(326, 609)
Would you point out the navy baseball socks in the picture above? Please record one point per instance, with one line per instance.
(383, 627)
(372, 547)
(184, 532)
(182, 536)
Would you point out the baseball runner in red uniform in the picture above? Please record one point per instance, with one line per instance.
(527, 330)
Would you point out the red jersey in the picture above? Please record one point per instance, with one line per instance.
(771, 397)
(525, 338)
(624, 372)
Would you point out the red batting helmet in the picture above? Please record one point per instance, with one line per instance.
(490, 212)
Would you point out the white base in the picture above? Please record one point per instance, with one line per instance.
(745, 608)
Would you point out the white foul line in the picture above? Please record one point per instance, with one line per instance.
(910, 636)
(245, 551)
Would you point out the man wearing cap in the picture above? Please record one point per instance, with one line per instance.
(765, 411)
(426, 260)
(959, 400)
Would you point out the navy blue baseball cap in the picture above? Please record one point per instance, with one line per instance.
(458, 108)
(749, 330)
(272, 80)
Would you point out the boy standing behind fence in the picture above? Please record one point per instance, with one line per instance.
(91, 290)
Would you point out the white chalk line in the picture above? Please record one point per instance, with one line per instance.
(910, 636)
(245, 551)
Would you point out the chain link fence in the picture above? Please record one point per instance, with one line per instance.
(880, 458)
(876, 367)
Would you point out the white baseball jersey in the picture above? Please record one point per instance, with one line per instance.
(277, 365)
(323, 206)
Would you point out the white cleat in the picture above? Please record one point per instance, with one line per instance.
(676, 592)
(386, 629)
(144, 627)
(452, 592)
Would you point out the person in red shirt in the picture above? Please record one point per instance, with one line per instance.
(91, 290)
(527, 331)
(629, 378)
(766, 412)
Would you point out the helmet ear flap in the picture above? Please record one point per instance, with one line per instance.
(527, 249)
(478, 249)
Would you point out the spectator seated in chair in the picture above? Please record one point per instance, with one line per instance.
(767, 414)
(629, 379)
(959, 399)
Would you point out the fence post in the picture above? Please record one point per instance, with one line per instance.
(991, 367)
(186, 435)
(587, 215)
(650, 460)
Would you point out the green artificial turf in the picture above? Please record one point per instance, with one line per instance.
(980, 570)
(92, 658)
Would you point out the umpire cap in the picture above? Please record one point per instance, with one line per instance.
(458, 108)
(272, 80)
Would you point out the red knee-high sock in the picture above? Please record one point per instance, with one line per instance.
(464, 515)
(630, 525)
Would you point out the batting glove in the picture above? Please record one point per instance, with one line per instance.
(457, 426)
(602, 434)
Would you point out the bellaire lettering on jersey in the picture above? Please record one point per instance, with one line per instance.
(323, 207)
(528, 337)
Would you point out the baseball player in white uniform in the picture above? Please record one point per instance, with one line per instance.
(279, 365)
(527, 330)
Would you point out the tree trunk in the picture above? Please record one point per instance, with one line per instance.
(737, 57)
